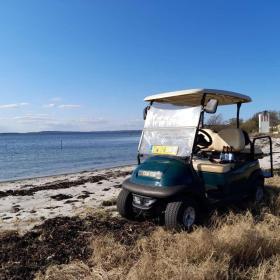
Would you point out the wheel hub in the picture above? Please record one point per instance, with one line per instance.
(259, 194)
(189, 217)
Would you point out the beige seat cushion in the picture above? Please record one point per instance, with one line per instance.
(227, 137)
(207, 166)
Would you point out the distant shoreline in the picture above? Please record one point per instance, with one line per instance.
(71, 132)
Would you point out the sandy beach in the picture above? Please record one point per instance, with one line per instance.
(67, 227)
(26, 203)
(29, 202)
(265, 162)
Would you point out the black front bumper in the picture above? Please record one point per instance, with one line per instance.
(156, 192)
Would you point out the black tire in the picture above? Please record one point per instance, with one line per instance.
(257, 188)
(124, 204)
(175, 213)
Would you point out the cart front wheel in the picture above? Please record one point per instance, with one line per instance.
(124, 204)
(181, 214)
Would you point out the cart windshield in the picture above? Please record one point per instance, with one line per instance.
(169, 130)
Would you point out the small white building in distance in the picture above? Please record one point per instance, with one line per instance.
(264, 126)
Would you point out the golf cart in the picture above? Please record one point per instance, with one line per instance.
(187, 165)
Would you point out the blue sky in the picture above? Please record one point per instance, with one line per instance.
(87, 65)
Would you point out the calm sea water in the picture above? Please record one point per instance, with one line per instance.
(40, 154)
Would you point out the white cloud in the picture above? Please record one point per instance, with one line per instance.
(51, 105)
(33, 118)
(8, 106)
(13, 105)
(69, 106)
(38, 122)
(46, 122)
(62, 106)
(91, 121)
(56, 99)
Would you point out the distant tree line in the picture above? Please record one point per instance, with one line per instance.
(251, 125)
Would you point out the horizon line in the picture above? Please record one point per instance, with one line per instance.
(69, 131)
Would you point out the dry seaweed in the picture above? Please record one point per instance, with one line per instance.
(60, 241)
(63, 184)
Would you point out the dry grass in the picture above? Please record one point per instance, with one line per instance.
(235, 246)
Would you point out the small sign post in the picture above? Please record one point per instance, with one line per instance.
(264, 125)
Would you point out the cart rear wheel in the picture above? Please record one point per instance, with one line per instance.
(124, 204)
(181, 214)
(259, 194)
(257, 183)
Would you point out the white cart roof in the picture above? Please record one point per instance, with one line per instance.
(193, 97)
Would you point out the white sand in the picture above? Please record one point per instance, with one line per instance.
(265, 162)
(22, 212)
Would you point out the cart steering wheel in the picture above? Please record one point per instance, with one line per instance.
(203, 142)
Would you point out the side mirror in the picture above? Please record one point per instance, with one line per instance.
(211, 106)
(145, 112)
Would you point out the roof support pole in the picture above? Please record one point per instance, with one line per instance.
(238, 114)
(201, 121)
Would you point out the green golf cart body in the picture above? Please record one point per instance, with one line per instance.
(184, 165)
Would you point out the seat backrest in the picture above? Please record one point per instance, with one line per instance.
(229, 137)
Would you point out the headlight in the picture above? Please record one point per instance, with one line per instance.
(143, 201)
(152, 174)
(137, 200)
